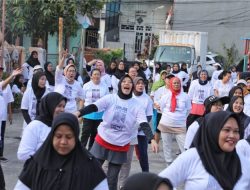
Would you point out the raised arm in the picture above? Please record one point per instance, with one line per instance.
(11, 77)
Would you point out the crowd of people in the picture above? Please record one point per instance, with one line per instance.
(73, 127)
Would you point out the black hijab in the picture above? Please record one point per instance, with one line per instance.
(38, 91)
(201, 82)
(232, 91)
(175, 72)
(119, 73)
(225, 167)
(120, 93)
(111, 71)
(47, 107)
(244, 119)
(146, 181)
(51, 171)
(33, 61)
(49, 75)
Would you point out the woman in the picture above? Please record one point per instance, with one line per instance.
(48, 70)
(212, 162)
(199, 90)
(236, 106)
(105, 78)
(212, 104)
(18, 86)
(223, 85)
(78, 76)
(159, 83)
(235, 91)
(147, 181)
(156, 72)
(139, 142)
(117, 129)
(233, 70)
(216, 73)
(29, 65)
(175, 106)
(93, 90)
(111, 68)
(119, 73)
(32, 97)
(37, 131)
(66, 85)
(61, 162)
(183, 76)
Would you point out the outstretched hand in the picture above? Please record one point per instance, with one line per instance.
(17, 72)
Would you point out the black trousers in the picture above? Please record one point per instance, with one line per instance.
(2, 181)
(89, 131)
(2, 138)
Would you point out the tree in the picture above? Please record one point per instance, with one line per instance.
(39, 17)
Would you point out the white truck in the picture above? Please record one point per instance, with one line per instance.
(183, 46)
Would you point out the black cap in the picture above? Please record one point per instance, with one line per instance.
(211, 99)
(170, 75)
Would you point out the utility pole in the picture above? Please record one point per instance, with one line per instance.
(3, 28)
(60, 37)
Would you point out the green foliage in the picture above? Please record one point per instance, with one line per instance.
(232, 55)
(36, 17)
(107, 56)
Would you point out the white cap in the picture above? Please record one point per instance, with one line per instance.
(37, 67)
(242, 81)
(216, 64)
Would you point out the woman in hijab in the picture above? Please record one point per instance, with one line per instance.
(159, 83)
(147, 181)
(115, 132)
(175, 106)
(50, 76)
(156, 72)
(212, 162)
(37, 130)
(29, 65)
(61, 163)
(32, 97)
(105, 79)
(199, 90)
(119, 73)
(211, 104)
(235, 91)
(236, 105)
(111, 68)
(182, 75)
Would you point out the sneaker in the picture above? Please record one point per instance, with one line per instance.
(3, 160)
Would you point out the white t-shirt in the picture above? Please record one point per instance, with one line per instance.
(29, 102)
(188, 169)
(114, 82)
(215, 76)
(33, 137)
(191, 132)
(118, 125)
(16, 90)
(70, 91)
(223, 89)
(198, 93)
(183, 76)
(243, 147)
(247, 105)
(106, 80)
(8, 98)
(146, 104)
(27, 71)
(147, 73)
(92, 92)
(179, 116)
